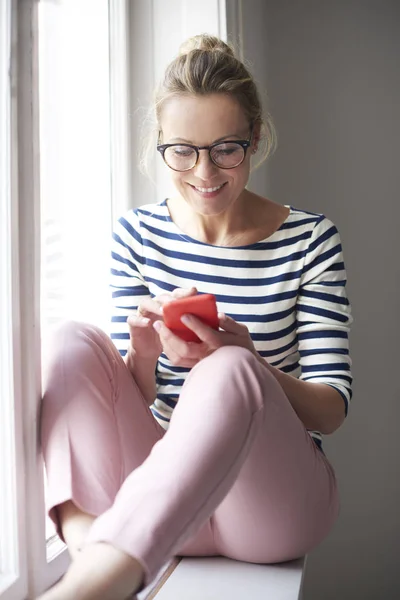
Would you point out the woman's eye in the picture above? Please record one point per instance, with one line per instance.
(182, 152)
(226, 151)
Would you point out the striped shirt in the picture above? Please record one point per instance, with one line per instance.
(289, 290)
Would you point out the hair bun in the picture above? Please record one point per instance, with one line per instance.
(206, 42)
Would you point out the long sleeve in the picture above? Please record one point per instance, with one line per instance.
(128, 286)
(323, 313)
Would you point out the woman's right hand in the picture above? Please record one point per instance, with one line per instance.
(144, 340)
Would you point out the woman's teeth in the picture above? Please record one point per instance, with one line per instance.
(208, 190)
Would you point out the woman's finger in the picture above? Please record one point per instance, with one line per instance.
(173, 344)
(203, 331)
(138, 321)
(149, 308)
(230, 325)
(184, 292)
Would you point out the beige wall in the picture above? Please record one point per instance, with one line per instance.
(332, 69)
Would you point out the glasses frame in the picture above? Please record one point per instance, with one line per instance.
(245, 144)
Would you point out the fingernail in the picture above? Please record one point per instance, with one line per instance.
(185, 319)
(157, 325)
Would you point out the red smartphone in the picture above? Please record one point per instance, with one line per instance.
(202, 306)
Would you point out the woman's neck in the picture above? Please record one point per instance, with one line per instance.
(251, 219)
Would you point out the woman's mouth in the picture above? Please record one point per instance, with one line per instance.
(208, 192)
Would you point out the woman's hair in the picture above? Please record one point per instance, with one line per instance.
(206, 65)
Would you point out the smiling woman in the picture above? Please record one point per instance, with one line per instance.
(154, 444)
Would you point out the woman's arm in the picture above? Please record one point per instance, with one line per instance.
(143, 370)
(322, 393)
(319, 406)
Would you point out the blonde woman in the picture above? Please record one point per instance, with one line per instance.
(156, 447)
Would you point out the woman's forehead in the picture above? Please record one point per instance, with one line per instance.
(202, 119)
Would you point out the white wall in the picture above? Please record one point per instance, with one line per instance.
(157, 29)
(332, 71)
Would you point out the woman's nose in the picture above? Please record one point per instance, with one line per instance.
(205, 168)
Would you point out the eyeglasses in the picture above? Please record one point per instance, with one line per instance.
(225, 155)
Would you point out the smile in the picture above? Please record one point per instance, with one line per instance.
(208, 190)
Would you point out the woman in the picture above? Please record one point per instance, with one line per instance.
(241, 471)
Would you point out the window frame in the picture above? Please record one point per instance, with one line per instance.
(33, 567)
(42, 572)
(13, 564)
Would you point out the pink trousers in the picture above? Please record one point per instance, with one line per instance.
(236, 474)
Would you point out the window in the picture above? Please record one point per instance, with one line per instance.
(67, 135)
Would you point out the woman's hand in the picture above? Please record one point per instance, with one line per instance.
(144, 341)
(188, 354)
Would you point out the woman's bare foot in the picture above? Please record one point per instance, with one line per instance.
(99, 572)
(75, 525)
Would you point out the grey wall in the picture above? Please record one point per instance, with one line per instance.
(332, 69)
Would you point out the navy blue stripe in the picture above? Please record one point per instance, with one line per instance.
(167, 235)
(338, 266)
(339, 283)
(168, 400)
(157, 414)
(325, 367)
(170, 367)
(130, 229)
(126, 261)
(258, 245)
(140, 290)
(163, 285)
(277, 351)
(120, 241)
(257, 299)
(322, 312)
(284, 226)
(119, 273)
(315, 335)
(299, 223)
(326, 235)
(289, 368)
(119, 319)
(126, 308)
(317, 351)
(220, 280)
(161, 381)
(120, 336)
(345, 378)
(325, 297)
(225, 262)
(245, 300)
(262, 318)
(321, 258)
(275, 335)
(166, 218)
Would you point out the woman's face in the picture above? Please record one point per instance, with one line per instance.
(202, 121)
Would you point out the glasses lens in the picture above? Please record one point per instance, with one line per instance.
(180, 158)
(227, 155)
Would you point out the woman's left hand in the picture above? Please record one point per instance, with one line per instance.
(188, 354)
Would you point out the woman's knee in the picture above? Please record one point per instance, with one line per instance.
(76, 346)
(234, 374)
